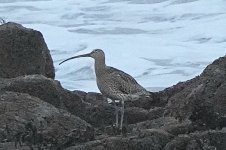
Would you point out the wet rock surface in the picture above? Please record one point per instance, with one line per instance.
(36, 112)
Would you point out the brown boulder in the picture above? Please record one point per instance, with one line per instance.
(23, 51)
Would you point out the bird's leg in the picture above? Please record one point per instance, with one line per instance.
(122, 114)
(116, 113)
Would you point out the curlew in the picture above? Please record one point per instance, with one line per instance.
(113, 83)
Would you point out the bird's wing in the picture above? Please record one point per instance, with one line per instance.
(125, 83)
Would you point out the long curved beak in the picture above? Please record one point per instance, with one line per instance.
(84, 55)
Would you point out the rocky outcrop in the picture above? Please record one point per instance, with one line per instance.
(22, 115)
(91, 107)
(48, 90)
(190, 115)
(23, 51)
(95, 98)
(203, 99)
(153, 139)
(135, 114)
(206, 140)
(189, 111)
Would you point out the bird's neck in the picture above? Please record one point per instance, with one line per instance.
(100, 66)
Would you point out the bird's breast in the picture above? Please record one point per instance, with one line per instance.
(102, 86)
(107, 88)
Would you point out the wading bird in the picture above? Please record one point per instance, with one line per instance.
(113, 83)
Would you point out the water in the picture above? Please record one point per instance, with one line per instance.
(159, 42)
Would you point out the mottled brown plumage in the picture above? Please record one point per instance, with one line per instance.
(113, 83)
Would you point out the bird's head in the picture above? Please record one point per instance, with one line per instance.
(95, 54)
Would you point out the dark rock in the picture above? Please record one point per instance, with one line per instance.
(152, 124)
(104, 114)
(23, 51)
(180, 128)
(204, 115)
(143, 102)
(168, 124)
(155, 113)
(135, 114)
(206, 140)
(52, 92)
(179, 143)
(95, 98)
(211, 139)
(81, 94)
(154, 139)
(203, 99)
(112, 131)
(48, 90)
(21, 113)
(177, 118)
(92, 145)
(193, 145)
(100, 115)
(169, 92)
(222, 122)
(147, 139)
